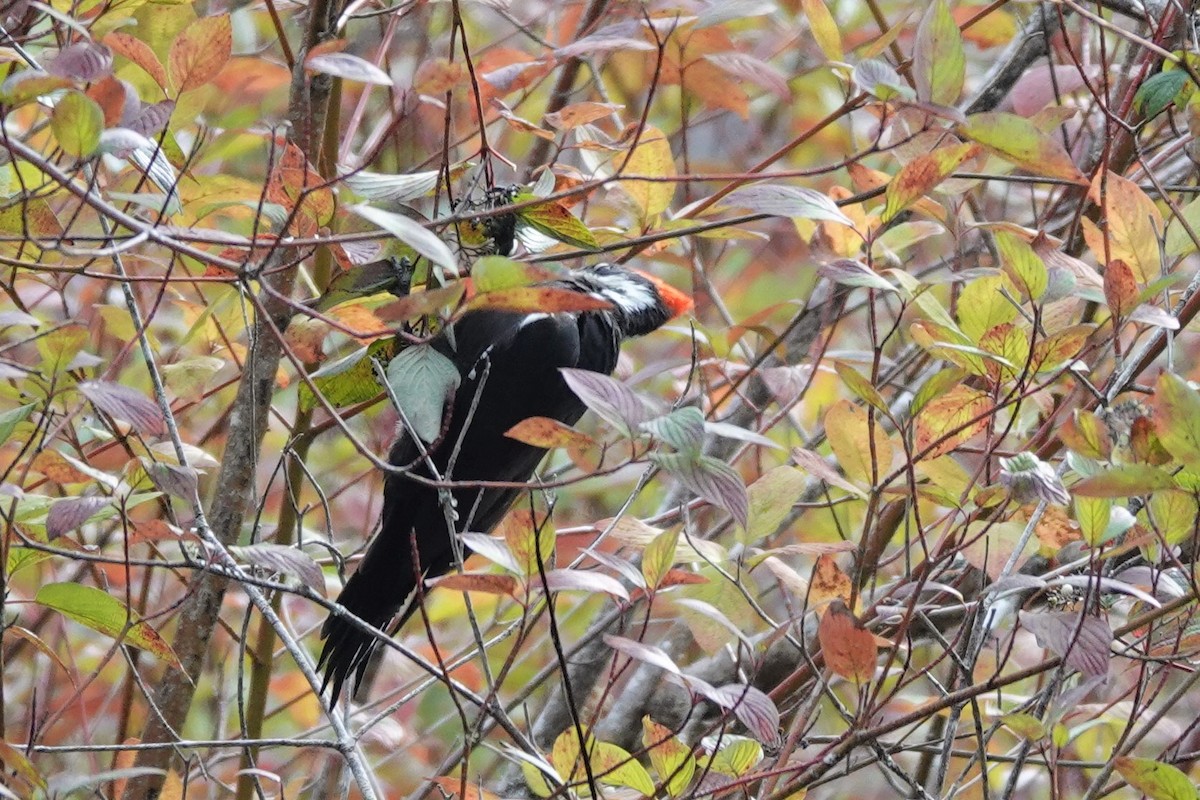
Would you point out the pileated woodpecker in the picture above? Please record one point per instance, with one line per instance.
(509, 364)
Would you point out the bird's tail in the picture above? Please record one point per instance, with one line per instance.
(373, 594)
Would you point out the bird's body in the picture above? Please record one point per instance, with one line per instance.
(509, 366)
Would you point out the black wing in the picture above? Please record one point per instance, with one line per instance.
(509, 363)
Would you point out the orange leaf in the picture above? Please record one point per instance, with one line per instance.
(951, 419)
(577, 114)
(293, 181)
(52, 464)
(199, 52)
(1130, 228)
(1120, 289)
(1055, 529)
(109, 94)
(828, 583)
(713, 86)
(361, 320)
(548, 433)
(849, 649)
(538, 299)
(139, 53)
(438, 76)
(922, 174)
(484, 582)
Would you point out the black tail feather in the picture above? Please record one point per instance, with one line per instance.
(373, 598)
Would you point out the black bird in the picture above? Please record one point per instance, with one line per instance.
(517, 357)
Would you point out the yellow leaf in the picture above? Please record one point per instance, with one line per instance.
(850, 435)
(651, 158)
(824, 29)
(982, 306)
(1130, 227)
(948, 421)
(1017, 140)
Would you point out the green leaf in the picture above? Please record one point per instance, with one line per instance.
(351, 379)
(737, 757)
(10, 419)
(1174, 513)
(1060, 735)
(1159, 91)
(1126, 480)
(423, 382)
(771, 499)
(492, 273)
(1156, 780)
(1027, 726)
(618, 768)
(103, 613)
(1018, 141)
(390, 274)
(982, 306)
(683, 429)
(939, 63)
(1178, 418)
(59, 348)
(1093, 514)
(77, 122)
(30, 85)
(554, 220)
(712, 479)
(857, 382)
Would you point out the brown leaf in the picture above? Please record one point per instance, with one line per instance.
(452, 785)
(849, 649)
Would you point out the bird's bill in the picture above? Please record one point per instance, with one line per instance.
(677, 302)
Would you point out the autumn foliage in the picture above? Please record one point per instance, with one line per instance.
(908, 506)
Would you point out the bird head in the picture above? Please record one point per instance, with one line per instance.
(640, 302)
